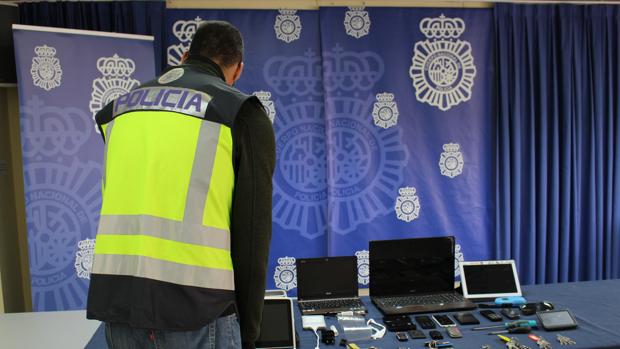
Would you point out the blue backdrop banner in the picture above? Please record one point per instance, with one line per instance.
(378, 136)
(409, 127)
(64, 78)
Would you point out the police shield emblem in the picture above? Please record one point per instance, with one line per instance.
(265, 99)
(363, 267)
(407, 204)
(46, 70)
(357, 22)
(116, 81)
(285, 275)
(184, 31)
(385, 110)
(451, 161)
(84, 258)
(443, 69)
(287, 26)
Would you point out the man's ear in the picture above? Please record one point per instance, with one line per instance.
(184, 57)
(238, 71)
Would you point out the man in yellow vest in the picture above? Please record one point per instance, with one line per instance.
(183, 239)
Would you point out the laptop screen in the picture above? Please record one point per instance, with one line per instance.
(330, 277)
(411, 266)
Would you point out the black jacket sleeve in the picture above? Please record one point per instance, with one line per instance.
(254, 154)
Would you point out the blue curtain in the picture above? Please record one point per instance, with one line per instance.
(131, 17)
(558, 174)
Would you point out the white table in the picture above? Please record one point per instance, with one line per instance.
(49, 330)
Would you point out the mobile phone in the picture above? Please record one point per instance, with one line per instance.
(466, 318)
(436, 335)
(491, 315)
(454, 332)
(444, 320)
(511, 314)
(425, 322)
(401, 336)
(416, 334)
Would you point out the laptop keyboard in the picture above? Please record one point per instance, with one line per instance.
(403, 301)
(352, 303)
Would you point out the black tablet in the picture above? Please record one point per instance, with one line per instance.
(277, 329)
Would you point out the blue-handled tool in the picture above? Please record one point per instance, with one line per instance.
(509, 325)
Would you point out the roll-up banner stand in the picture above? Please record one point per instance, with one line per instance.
(64, 77)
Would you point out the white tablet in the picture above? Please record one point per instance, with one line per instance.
(489, 279)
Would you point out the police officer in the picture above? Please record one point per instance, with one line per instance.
(183, 239)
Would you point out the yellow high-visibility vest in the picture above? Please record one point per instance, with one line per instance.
(167, 192)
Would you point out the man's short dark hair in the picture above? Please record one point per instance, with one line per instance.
(219, 41)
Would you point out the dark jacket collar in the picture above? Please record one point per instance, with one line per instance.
(206, 65)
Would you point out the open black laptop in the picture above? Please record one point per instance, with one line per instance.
(414, 276)
(327, 285)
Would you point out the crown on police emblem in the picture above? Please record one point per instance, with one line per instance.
(185, 30)
(451, 147)
(286, 260)
(407, 191)
(262, 95)
(45, 51)
(356, 8)
(442, 27)
(287, 12)
(385, 97)
(115, 66)
(86, 244)
(362, 254)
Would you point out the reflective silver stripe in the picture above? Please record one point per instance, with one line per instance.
(108, 132)
(188, 232)
(175, 99)
(164, 271)
(202, 169)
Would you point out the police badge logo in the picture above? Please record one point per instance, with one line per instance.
(356, 22)
(385, 110)
(170, 76)
(451, 160)
(46, 70)
(84, 258)
(443, 69)
(285, 275)
(115, 82)
(287, 26)
(407, 204)
(184, 31)
(265, 98)
(458, 258)
(363, 267)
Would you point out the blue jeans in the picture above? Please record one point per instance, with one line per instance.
(222, 333)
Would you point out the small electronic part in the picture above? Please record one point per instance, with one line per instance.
(511, 314)
(443, 320)
(437, 344)
(328, 336)
(398, 323)
(491, 315)
(401, 336)
(531, 308)
(435, 335)
(343, 342)
(466, 318)
(416, 334)
(454, 332)
(425, 322)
